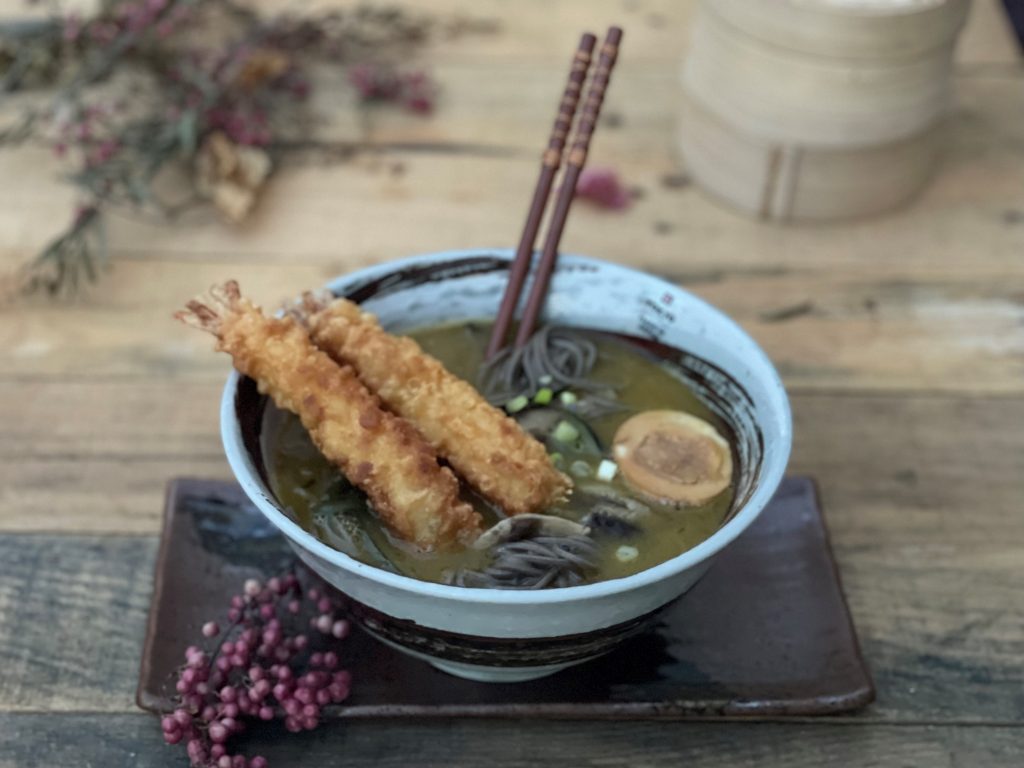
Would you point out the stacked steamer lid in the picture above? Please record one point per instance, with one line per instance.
(817, 109)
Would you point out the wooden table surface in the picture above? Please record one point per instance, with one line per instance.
(900, 338)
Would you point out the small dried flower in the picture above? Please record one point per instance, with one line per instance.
(231, 175)
(261, 66)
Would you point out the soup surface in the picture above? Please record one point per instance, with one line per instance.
(323, 502)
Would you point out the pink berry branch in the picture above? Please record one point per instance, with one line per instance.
(277, 658)
(130, 90)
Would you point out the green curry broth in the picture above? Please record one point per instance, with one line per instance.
(305, 482)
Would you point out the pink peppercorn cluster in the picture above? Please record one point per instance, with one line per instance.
(263, 666)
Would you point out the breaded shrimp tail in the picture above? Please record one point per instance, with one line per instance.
(379, 452)
(485, 446)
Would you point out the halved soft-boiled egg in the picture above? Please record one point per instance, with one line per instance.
(673, 457)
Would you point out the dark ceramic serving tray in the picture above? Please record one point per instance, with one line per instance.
(765, 633)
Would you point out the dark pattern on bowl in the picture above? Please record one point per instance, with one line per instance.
(498, 652)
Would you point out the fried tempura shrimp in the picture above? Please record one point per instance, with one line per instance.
(485, 446)
(379, 452)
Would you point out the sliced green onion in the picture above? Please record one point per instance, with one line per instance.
(517, 404)
(565, 432)
(543, 396)
(626, 553)
(567, 397)
(545, 379)
(606, 470)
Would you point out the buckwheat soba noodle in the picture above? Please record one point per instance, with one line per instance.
(651, 469)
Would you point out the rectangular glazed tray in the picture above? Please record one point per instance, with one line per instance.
(766, 633)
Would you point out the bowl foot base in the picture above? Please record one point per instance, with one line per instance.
(481, 673)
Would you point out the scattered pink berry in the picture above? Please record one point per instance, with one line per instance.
(210, 629)
(602, 187)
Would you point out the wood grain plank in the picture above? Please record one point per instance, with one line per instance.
(917, 462)
(113, 494)
(95, 740)
(921, 495)
(345, 214)
(89, 593)
(897, 327)
(656, 29)
(73, 615)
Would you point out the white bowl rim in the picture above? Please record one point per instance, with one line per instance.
(767, 485)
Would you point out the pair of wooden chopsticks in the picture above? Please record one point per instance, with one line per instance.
(551, 161)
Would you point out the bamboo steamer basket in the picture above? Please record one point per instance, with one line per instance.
(803, 183)
(817, 109)
(860, 29)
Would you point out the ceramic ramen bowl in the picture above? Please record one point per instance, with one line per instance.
(511, 635)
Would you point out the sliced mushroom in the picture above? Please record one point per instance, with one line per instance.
(607, 521)
(672, 457)
(610, 512)
(608, 497)
(527, 527)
